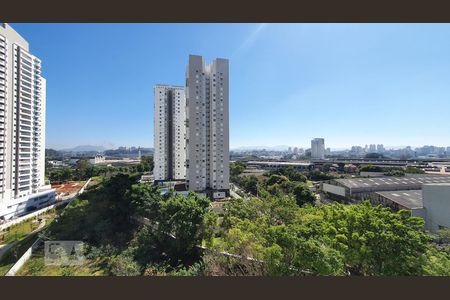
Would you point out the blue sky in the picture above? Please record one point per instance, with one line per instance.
(352, 84)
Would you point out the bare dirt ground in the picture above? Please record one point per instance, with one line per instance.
(68, 188)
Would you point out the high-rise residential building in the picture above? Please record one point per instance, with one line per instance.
(208, 129)
(357, 150)
(372, 148)
(380, 148)
(318, 148)
(22, 128)
(169, 132)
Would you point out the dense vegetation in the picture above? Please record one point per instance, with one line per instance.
(331, 239)
(374, 155)
(106, 218)
(284, 181)
(84, 170)
(273, 234)
(391, 171)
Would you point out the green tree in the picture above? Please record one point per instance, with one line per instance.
(370, 168)
(146, 164)
(146, 200)
(374, 155)
(276, 179)
(182, 217)
(81, 168)
(236, 168)
(332, 239)
(294, 253)
(437, 263)
(414, 170)
(250, 184)
(63, 175)
(123, 265)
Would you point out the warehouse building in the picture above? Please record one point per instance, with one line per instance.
(425, 196)
(356, 189)
(407, 199)
(432, 203)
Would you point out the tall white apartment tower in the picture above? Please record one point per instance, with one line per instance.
(318, 148)
(22, 128)
(208, 130)
(169, 132)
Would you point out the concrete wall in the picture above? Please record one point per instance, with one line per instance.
(419, 212)
(23, 259)
(436, 201)
(333, 189)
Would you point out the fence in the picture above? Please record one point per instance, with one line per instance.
(24, 258)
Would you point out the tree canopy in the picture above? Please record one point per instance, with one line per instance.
(332, 239)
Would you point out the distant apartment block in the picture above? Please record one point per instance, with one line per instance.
(22, 128)
(318, 148)
(208, 126)
(98, 159)
(169, 132)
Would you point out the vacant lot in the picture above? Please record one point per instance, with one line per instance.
(68, 188)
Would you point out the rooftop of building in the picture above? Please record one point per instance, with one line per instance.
(390, 181)
(410, 199)
(168, 86)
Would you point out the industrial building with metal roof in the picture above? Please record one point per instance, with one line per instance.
(363, 188)
(406, 199)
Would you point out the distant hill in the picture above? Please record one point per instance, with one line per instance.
(268, 148)
(85, 148)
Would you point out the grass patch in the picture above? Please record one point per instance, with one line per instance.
(35, 266)
(20, 231)
(13, 254)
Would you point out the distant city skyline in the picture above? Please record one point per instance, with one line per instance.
(278, 147)
(101, 148)
(353, 84)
